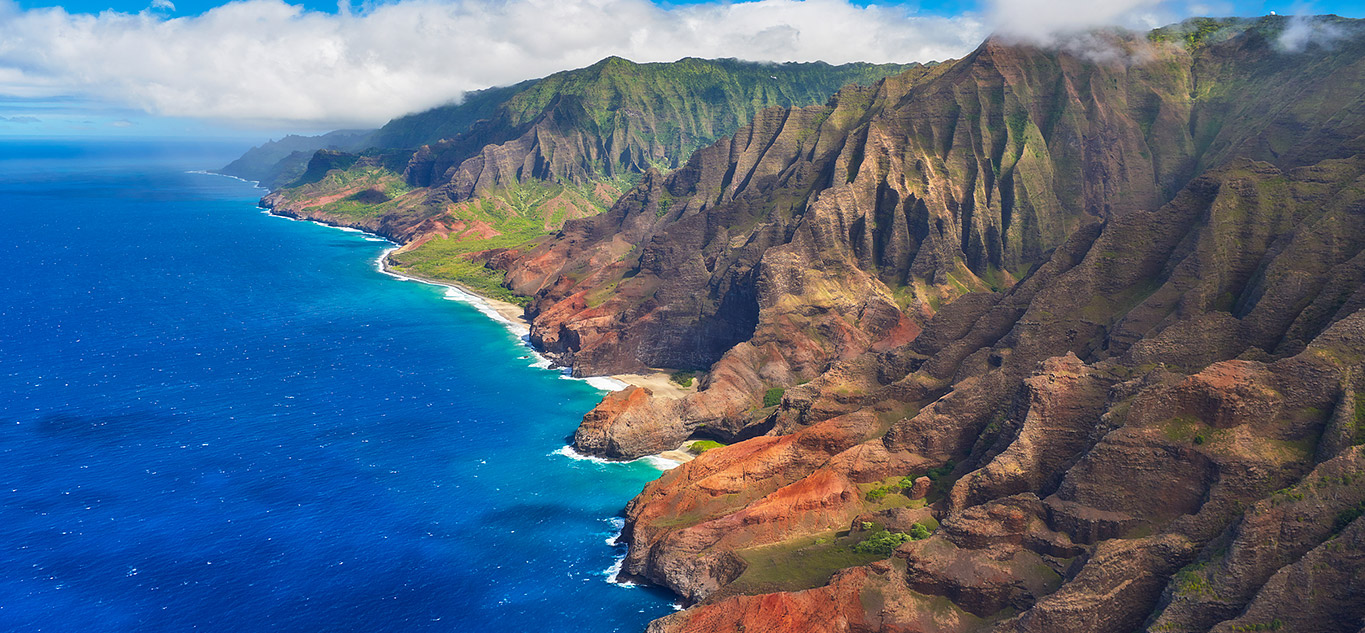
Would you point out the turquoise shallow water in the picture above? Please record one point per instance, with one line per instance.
(216, 420)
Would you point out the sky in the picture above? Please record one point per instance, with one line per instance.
(261, 68)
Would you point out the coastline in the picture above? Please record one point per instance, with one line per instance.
(509, 314)
(513, 317)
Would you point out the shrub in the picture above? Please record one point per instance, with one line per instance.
(1347, 516)
(682, 378)
(881, 543)
(773, 397)
(701, 446)
(936, 474)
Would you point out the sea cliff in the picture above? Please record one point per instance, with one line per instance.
(1045, 338)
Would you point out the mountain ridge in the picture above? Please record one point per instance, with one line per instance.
(1033, 340)
(982, 270)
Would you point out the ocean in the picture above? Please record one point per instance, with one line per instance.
(213, 419)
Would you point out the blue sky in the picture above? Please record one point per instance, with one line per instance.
(1347, 8)
(260, 68)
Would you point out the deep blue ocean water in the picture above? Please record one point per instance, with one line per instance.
(212, 419)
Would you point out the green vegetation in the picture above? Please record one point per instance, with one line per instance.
(938, 476)
(682, 378)
(882, 543)
(1190, 581)
(1360, 420)
(701, 446)
(773, 397)
(513, 217)
(1273, 625)
(275, 163)
(942, 472)
(1198, 32)
(450, 258)
(798, 564)
(1185, 428)
(877, 494)
(1347, 516)
(664, 110)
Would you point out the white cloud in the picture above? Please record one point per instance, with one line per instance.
(1304, 31)
(1054, 21)
(163, 4)
(265, 62)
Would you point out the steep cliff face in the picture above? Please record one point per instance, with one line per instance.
(617, 117)
(1109, 299)
(814, 235)
(508, 165)
(1040, 339)
(1088, 471)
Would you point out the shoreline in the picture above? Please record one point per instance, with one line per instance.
(510, 314)
(513, 317)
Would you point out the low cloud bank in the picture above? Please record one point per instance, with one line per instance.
(265, 62)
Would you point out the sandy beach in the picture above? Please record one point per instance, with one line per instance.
(514, 316)
(511, 313)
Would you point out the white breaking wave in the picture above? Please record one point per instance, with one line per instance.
(452, 293)
(253, 183)
(653, 460)
(605, 383)
(662, 463)
(618, 525)
(612, 572)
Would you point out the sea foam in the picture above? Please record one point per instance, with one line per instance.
(452, 293)
(656, 461)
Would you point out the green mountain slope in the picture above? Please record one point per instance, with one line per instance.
(277, 163)
(514, 163)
